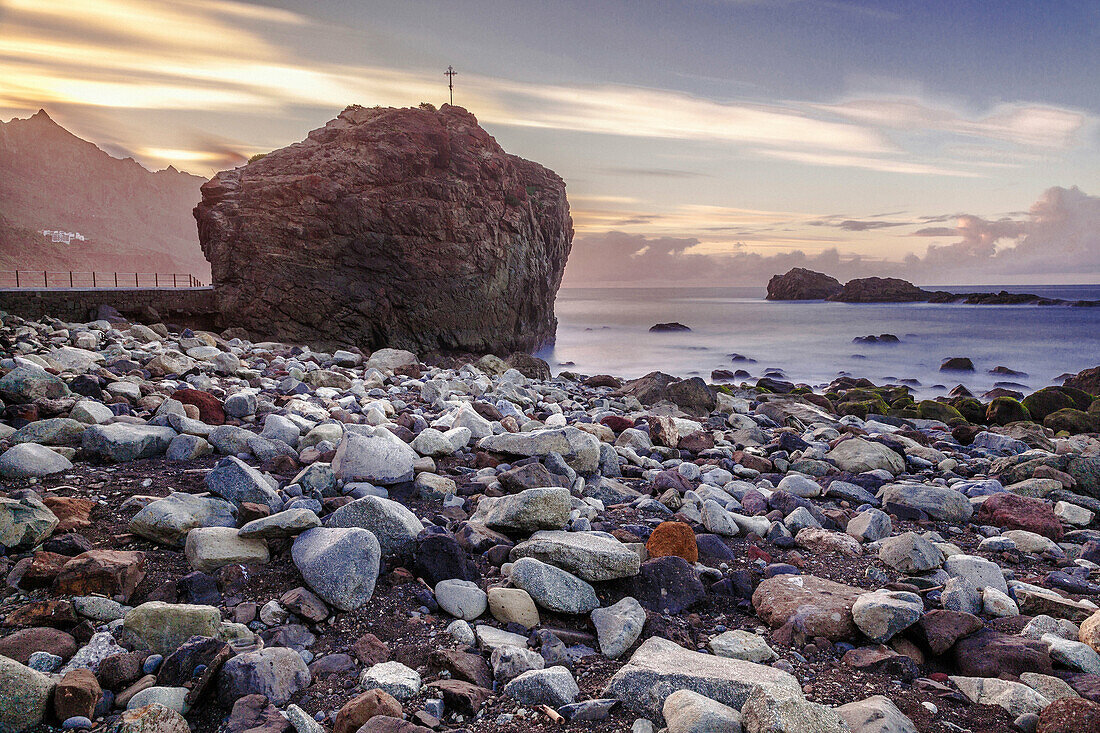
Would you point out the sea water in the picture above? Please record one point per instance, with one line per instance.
(606, 331)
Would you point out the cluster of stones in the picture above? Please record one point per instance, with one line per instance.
(540, 522)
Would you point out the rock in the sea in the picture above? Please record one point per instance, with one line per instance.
(486, 235)
(802, 284)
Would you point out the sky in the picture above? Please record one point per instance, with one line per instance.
(713, 141)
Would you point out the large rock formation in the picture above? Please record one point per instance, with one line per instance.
(880, 290)
(802, 284)
(408, 228)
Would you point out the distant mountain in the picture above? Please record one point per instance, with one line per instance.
(132, 219)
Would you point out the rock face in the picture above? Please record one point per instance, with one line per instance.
(802, 284)
(439, 240)
(880, 290)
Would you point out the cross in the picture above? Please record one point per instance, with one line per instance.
(450, 73)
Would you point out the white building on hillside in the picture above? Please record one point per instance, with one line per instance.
(55, 235)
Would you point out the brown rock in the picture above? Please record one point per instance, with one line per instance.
(991, 654)
(370, 650)
(210, 407)
(120, 670)
(673, 538)
(1089, 632)
(818, 607)
(53, 612)
(377, 195)
(461, 665)
(76, 694)
(1070, 715)
(143, 683)
(19, 645)
(42, 570)
(72, 513)
(362, 708)
(254, 714)
(305, 604)
(941, 629)
(102, 572)
(880, 290)
(1010, 511)
(461, 696)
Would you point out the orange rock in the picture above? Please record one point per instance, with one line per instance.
(71, 512)
(359, 710)
(103, 572)
(673, 539)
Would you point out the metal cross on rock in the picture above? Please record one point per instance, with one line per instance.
(450, 73)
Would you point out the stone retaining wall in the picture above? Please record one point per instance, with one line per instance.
(191, 307)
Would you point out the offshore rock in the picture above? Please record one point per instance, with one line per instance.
(439, 239)
(802, 284)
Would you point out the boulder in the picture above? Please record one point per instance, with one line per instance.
(817, 607)
(30, 460)
(122, 442)
(166, 626)
(339, 564)
(26, 696)
(553, 686)
(527, 511)
(875, 714)
(24, 522)
(379, 458)
(938, 502)
(553, 588)
(857, 455)
(392, 524)
(235, 480)
(210, 548)
(1009, 511)
(689, 712)
(580, 450)
(486, 234)
(278, 673)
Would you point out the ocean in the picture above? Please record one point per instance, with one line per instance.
(606, 331)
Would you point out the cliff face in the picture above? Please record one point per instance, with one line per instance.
(133, 219)
(408, 228)
(802, 284)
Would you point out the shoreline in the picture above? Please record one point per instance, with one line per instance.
(507, 540)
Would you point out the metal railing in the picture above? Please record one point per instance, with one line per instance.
(46, 279)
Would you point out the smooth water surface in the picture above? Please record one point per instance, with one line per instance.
(606, 330)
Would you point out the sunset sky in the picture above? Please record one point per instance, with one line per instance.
(851, 134)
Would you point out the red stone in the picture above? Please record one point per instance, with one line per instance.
(43, 569)
(210, 407)
(1070, 715)
(673, 539)
(76, 694)
(72, 513)
(19, 645)
(1009, 511)
(617, 423)
(102, 572)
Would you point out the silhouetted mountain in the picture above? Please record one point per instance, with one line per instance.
(133, 219)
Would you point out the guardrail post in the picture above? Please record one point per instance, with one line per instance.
(70, 278)
(17, 278)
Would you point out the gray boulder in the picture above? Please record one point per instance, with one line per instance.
(580, 450)
(527, 511)
(30, 460)
(122, 442)
(278, 673)
(235, 480)
(24, 522)
(618, 626)
(553, 686)
(339, 564)
(395, 526)
(938, 502)
(378, 458)
(553, 588)
(26, 696)
(168, 520)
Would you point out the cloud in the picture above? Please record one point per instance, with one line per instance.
(1024, 124)
(1060, 236)
(858, 225)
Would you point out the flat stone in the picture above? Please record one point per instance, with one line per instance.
(689, 712)
(287, 523)
(210, 548)
(659, 667)
(592, 556)
(743, 645)
(553, 686)
(527, 511)
(1016, 698)
(168, 520)
(123, 442)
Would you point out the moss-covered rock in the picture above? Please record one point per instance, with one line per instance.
(907, 413)
(970, 407)
(863, 408)
(1048, 400)
(1080, 397)
(1070, 420)
(932, 410)
(1003, 410)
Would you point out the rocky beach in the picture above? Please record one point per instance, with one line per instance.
(207, 533)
